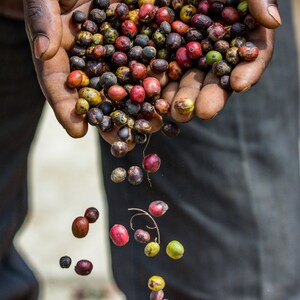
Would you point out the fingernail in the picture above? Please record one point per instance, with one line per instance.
(273, 12)
(40, 46)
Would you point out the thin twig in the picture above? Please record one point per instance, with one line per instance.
(141, 213)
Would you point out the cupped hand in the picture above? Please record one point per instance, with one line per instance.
(51, 34)
(210, 98)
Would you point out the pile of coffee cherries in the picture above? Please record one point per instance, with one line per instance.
(120, 49)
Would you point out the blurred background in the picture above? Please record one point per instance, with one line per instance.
(65, 180)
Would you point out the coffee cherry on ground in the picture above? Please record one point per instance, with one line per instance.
(80, 227)
(119, 149)
(119, 235)
(92, 214)
(65, 262)
(159, 295)
(142, 236)
(170, 129)
(135, 175)
(156, 283)
(175, 249)
(118, 175)
(184, 106)
(83, 267)
(157, 208)
(151, 163)
(151, 249)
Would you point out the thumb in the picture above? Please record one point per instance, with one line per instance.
(265, 12)
(43, 26)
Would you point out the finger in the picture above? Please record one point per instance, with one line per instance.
(246, 74)
(212, 98)
(161, 77)
(265, 12)
(52, 76)
(189, 87)
(170, 91)
(43, 26)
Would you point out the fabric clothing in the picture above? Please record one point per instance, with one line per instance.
(21, 107)
(232, 186)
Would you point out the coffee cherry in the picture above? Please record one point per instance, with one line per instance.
(156, 283)
(94, 116)
(78, 16)
(151, 249)
(157, 208)
(82, 106)
(92, 214)
(184, 106)
(119, 149)
(83, 267)
(175, 249)
(170, 129)
(80, 227)
(248, 51)
(118, 175)
(151, 163)
(135, 175)
(65, 262)
(119, 235)
(142, 236)
(157, 295)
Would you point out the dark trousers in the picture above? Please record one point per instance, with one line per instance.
(21, 106)
(232, 186)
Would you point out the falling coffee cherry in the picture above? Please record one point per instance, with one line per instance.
(151, 163)
(157, 295)
(157, 208)
(119, 235)
(92, 214)
(142, 236)
(80, 227)
(175, 250)
(83, 267)
(152, 249)
(65, 262)
(156, 283)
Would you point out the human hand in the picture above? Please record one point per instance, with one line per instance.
(51, 34)
(204, 88)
